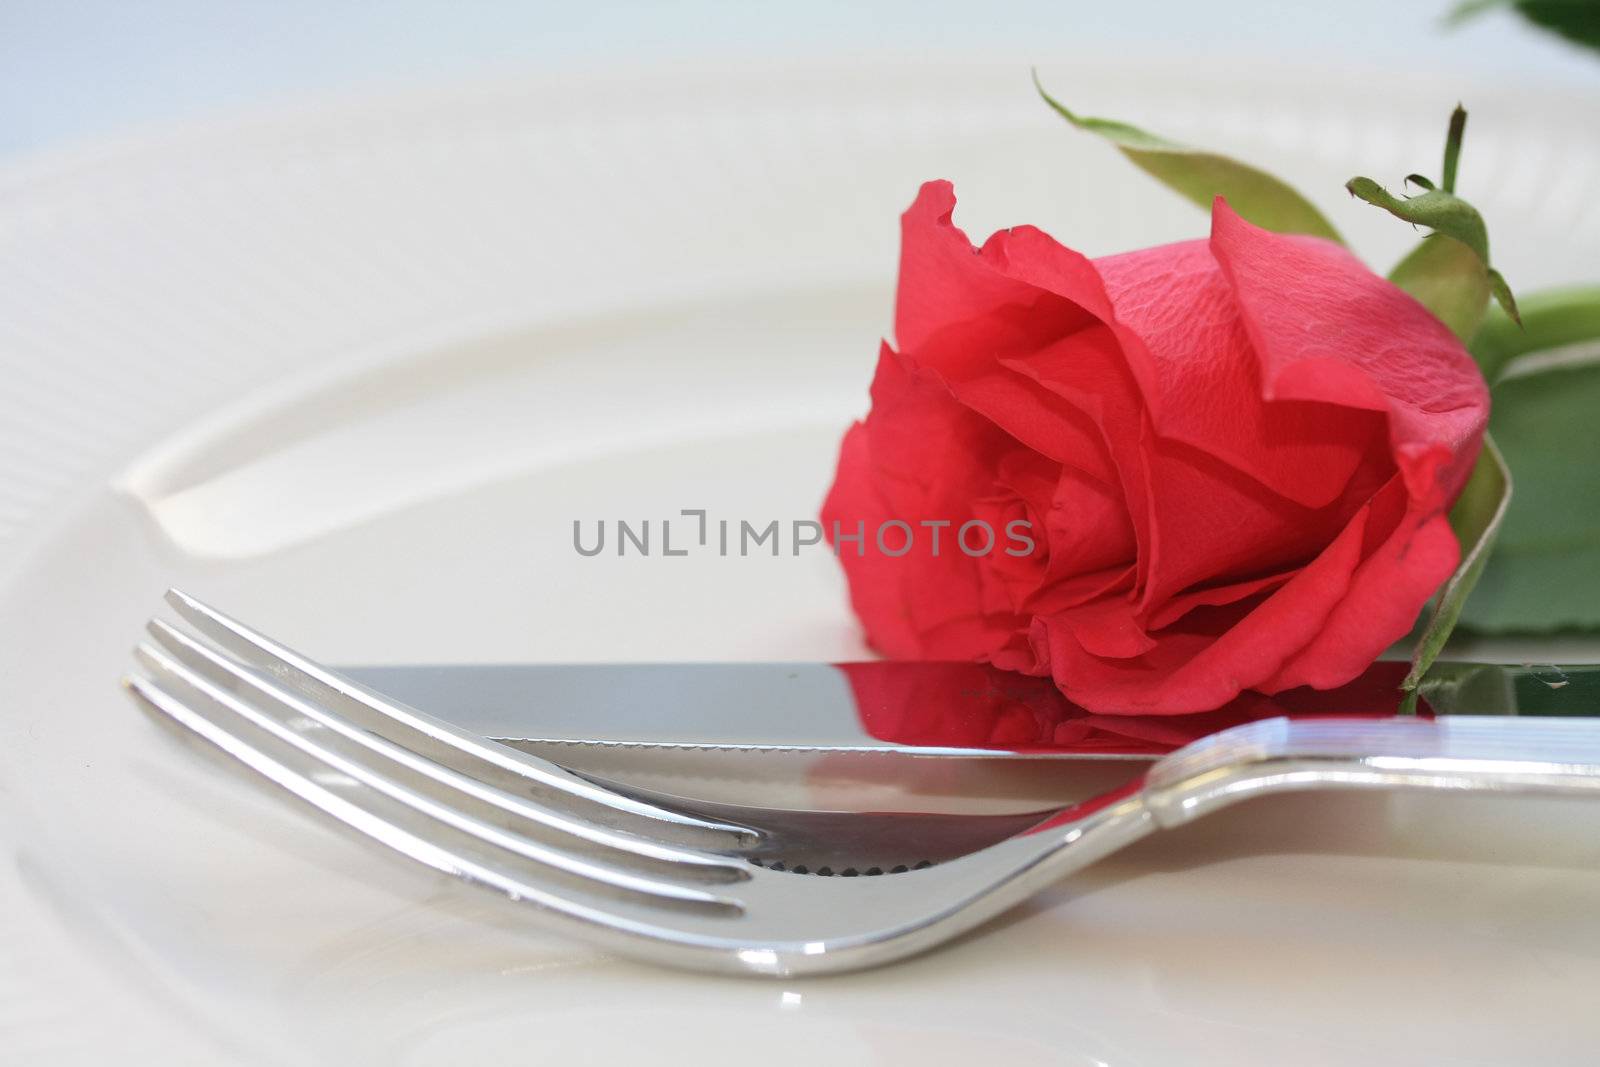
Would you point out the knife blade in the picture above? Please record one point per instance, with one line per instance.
(891, 735)
(922, 709)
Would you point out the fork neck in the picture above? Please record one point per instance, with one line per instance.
(1460, 753)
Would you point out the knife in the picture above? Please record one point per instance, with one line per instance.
(901, 708)
(928, 737)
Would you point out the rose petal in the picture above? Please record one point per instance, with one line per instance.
(1213, 596)
(1327, 329)
(918, 455)
(943, 279)
(1386, 595)
(1211, 523)
(1191, 670)
(1177, 299)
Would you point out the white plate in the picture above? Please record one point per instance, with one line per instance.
(376, 359)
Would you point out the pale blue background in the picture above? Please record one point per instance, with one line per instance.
(76, 71)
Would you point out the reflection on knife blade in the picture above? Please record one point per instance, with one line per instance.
(907, 708)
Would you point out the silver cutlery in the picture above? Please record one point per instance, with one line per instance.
(878, 709)
(737, 889)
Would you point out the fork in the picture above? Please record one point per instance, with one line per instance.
(693, 888)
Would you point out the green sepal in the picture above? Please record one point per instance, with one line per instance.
(1446, 214)
(1443, 212)
(1202, 176)
(1476, 520)
(1449, 280)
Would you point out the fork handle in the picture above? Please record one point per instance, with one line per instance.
(1464, 753)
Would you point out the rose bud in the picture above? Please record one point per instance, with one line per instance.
(1233, 459)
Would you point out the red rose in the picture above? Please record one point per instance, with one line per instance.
(1233, 459)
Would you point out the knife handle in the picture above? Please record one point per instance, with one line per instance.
(1467, 754)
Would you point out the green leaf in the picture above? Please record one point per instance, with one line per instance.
(1201, 176)
(1546, 568)
(1446, 214)
(1576, 20)
(1476, 519)
(1449, 280)
(1551, 318)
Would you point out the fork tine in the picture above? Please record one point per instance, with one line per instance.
(445, 784)
(186, 697)
(458, 749)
